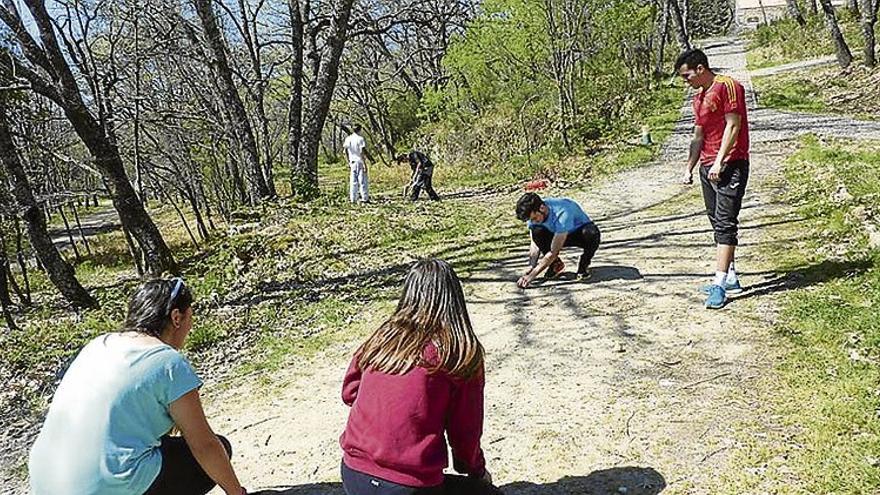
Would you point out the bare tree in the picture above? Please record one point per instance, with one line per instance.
(324, 64)
(683, 39)
(257, 186)
(844, 55)
(869, 20)
(45, 68)
(60, 272)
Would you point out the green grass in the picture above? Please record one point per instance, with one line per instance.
(785, 92)
(826, 399)
(783, 41)
(822, 90)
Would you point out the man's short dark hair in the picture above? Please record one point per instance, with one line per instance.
(403, 157)
(528, 203)
(357, 128)
(692, 58)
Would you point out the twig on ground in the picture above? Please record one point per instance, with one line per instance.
(710, 454)
(245, 427)
(694, 384)
(631, 416)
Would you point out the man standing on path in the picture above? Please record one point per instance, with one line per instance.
(553, 224)
(355, 147)
(422, 174)
(721, 146)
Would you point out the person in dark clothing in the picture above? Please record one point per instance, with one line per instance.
(422, 172)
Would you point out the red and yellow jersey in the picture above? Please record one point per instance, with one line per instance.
(726, 95)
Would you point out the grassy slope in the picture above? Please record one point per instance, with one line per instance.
(819, 90)
(825, 401)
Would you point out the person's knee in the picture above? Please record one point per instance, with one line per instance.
(227, 446)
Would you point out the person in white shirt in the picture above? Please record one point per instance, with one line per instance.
(355, 147)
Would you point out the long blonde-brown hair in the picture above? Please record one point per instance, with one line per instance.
(431, 308)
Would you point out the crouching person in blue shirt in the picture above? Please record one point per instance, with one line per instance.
(106, 432)
(555, 223)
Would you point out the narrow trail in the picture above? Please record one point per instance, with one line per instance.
(625, 381)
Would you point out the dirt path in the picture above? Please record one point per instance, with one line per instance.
(625, 381)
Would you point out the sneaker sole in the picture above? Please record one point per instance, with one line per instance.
(728, 291)
(713, 306)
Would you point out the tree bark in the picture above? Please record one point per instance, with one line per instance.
(258, 189)
(661, 41)
(295, 103)
(814, 7)
(869, 19)
(844, 55)
(795, 12)
(319, 99)
(60, 272)
(683, 40)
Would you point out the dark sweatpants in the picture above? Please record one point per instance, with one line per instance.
(586, 237)
(723, 200)
(423, 181)
(181, 473)
(358, 483)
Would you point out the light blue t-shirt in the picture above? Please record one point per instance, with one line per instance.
(102, 433)
(565, 216)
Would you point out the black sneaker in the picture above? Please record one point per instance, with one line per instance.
(584, 276)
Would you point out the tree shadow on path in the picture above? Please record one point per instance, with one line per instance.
(630, 480)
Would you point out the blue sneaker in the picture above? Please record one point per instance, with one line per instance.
(732, 289)
(717, 297)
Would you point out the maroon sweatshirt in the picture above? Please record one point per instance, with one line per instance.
(396, 423)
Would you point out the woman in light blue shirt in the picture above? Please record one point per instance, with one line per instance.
(106, 432)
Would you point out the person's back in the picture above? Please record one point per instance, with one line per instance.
(565, 215)
(354, 146)
(416, 381)
(396, 426)
(116, 393)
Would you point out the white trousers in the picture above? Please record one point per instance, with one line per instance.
(358, 184)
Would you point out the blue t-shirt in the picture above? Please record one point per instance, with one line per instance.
(102, 433)
(565, 216)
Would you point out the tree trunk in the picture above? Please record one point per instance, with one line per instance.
(795, 12)
(257, 186)
(683, 40)
(60, 272)
(295, 103)
(5, 299)
(844, 55)
(685, 16)
(69, 233)
(661, 42)
(319, 99)
(25, 295)
(869, 19)
(814, 7)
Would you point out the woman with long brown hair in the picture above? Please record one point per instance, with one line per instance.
(418, 376)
